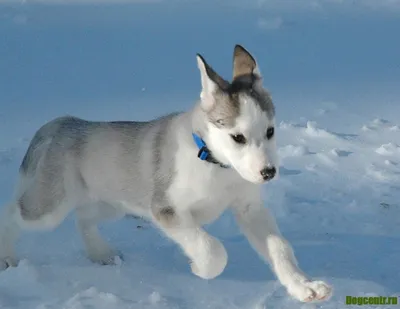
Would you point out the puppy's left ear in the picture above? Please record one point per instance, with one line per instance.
(244, 63)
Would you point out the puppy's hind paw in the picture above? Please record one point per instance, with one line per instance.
(7, 262)
(109, 258)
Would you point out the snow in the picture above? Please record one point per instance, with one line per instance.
(334, 77)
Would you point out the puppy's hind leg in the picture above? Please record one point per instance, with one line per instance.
(34, 209)
(88, 217)
(39, 205)
(9, 233)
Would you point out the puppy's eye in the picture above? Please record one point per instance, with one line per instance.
(270, 133)
(239, 138)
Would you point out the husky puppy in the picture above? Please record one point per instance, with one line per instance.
(180, 171)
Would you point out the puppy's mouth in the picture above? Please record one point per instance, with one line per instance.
(265, 175)
(257, 181)
(268, 179)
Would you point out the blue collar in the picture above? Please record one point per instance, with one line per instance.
(205, 153)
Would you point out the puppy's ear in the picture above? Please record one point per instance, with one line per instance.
(244, 63)
(211, 83)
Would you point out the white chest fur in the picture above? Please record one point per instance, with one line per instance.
(204, 189)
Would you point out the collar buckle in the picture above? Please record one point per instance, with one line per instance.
(205, 153)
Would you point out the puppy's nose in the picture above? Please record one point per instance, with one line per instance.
(268, 173)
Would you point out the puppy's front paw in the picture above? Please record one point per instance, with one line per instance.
(309, 291)
(210, 260)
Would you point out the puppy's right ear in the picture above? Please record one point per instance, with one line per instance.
(244, 63)
(211, 83)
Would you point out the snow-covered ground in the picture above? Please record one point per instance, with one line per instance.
(334, 73)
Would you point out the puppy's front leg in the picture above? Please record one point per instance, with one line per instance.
(260, 228)
(207, 254)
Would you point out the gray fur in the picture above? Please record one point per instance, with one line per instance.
(245, 84)
(224, 113)
(64, 133)
(53, 144)
(163, 147)
(63, 143)
(228, 108)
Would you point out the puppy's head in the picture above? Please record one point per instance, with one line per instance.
(240, 118)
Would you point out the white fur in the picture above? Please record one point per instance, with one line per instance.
(208, 87)
(258, 153)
